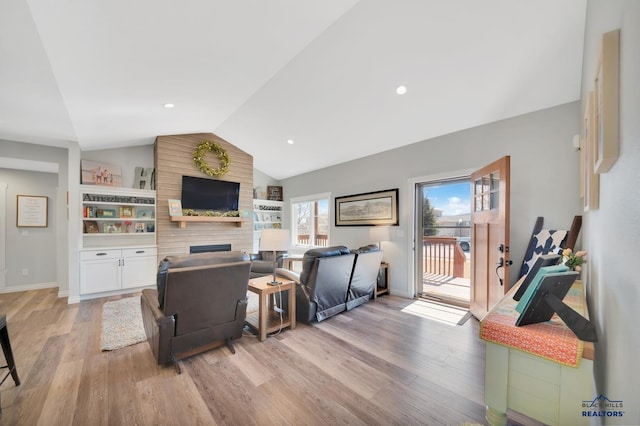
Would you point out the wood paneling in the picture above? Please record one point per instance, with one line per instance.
(173, 159)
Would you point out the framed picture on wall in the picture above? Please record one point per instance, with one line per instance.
(32, 211)
(368, 209)
(606, 102)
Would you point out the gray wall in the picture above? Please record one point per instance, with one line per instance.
(57, 209)
(612, 233)
(126, 158)
(31, 248)
(261, 181)
(544, 180)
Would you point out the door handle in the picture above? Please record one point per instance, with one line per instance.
(501, 264)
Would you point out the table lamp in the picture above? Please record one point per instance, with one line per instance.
(274, 240)
(379, 234)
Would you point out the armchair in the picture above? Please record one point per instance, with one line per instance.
(200, 303)
(262, 262)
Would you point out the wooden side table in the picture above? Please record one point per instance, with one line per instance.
(288, 261)
(382, 289)
(267, 320)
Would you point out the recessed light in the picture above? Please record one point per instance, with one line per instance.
(290, 141)
(401, 90)
(168, 106)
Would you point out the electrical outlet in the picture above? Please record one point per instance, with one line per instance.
(277, 309)
(25, 271)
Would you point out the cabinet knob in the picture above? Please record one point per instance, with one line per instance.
(101, 254)
(139, 251)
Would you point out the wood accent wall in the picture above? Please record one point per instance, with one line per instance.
(174, 158)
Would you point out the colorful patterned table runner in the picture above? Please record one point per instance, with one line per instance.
(551, 340)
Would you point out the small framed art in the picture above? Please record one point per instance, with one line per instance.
(175, 207)
(126, 211)
(32, 211)
(91, 227)
(144, 214)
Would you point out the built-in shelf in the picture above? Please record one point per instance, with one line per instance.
(182, 220)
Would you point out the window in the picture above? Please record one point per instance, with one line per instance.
(310, 215)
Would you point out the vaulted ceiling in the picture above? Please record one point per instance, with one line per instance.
(259, 73)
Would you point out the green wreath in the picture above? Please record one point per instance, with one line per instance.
(201, 151)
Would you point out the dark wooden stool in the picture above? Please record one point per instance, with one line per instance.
(8, 354)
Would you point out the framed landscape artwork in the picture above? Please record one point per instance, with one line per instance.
(368, 209)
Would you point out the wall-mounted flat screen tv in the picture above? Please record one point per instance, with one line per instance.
(209, 194)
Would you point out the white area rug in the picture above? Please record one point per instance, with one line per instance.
(252, 302)
(121, 324)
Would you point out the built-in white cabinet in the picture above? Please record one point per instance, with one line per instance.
(117, 269)
(116, 212)
(267, 214)
(118, 251)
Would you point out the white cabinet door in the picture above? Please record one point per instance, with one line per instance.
(99, 271)
(138, 267)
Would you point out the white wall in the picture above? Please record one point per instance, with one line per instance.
(612, 233)
(544, 179)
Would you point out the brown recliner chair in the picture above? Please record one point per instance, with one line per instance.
(200, 303)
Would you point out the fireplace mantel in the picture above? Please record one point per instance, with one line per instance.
(182, 220)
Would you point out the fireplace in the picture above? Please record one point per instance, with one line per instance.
(210, 247)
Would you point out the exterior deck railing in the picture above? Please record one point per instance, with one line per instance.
(321, 240)
(443, 256)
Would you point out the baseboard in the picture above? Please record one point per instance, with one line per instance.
(28, 287)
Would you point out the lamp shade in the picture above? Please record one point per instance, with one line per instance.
(379, 233)
(274, 240)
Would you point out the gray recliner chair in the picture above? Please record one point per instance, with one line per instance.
(364, 278)
(323, 284)
(200, 303)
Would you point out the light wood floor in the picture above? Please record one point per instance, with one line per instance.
(374, 365)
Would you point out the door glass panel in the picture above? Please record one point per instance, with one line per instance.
(486, 184)
(494, 200)
(495, 181)
(478, 187)
(485, 202)
(478, 203)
